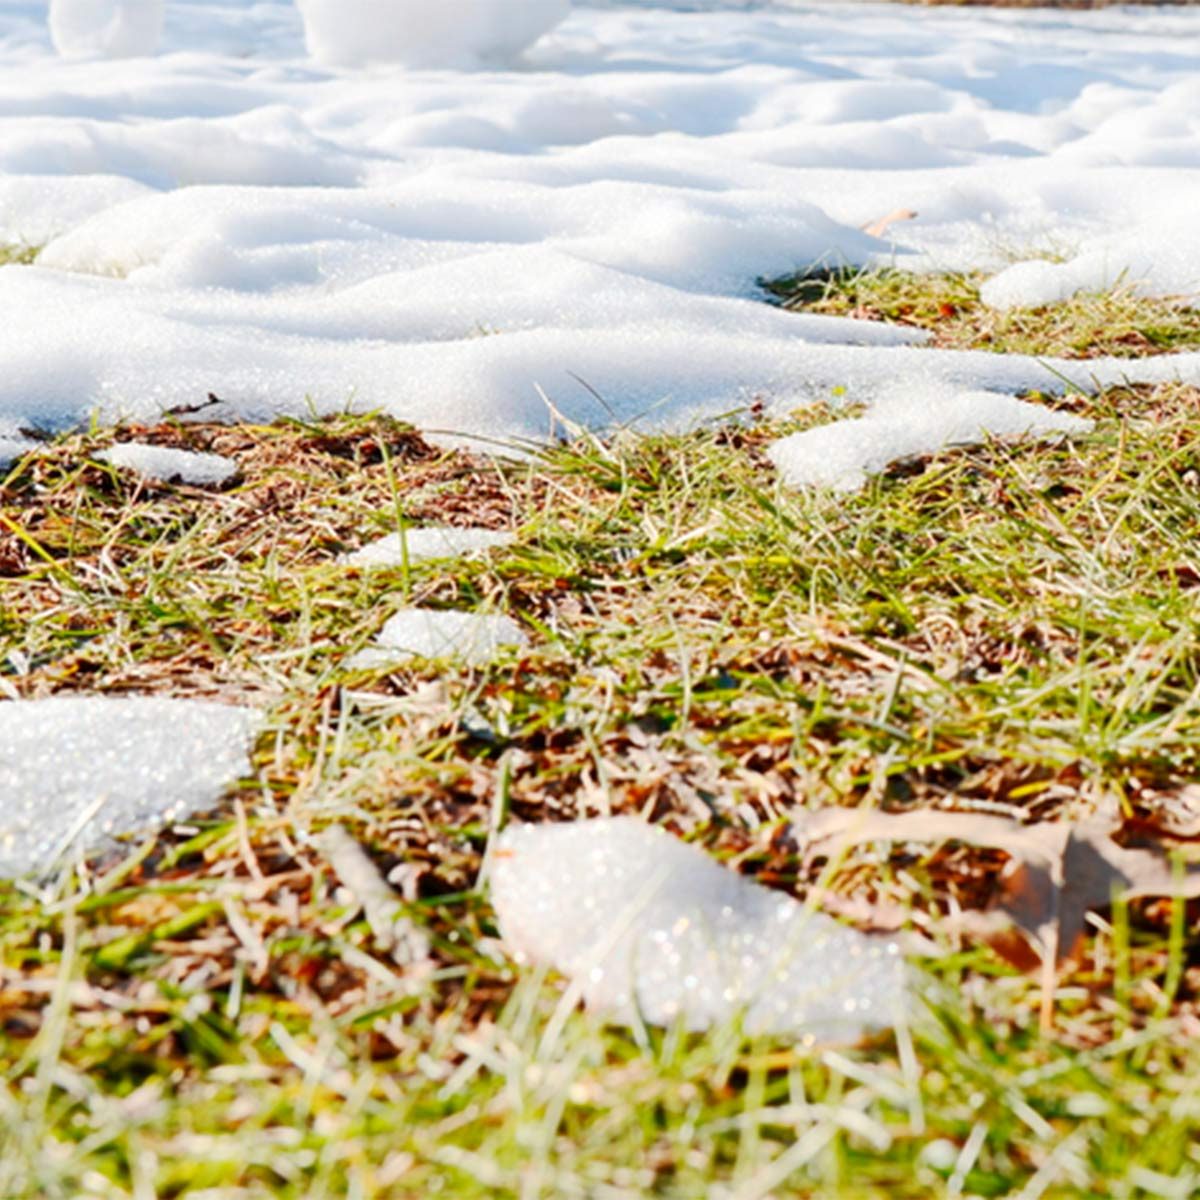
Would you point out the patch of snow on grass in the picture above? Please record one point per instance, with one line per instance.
(432, 541)
(909, 422)
(474, 638)
(76, 772)
(167, 465)
(650, 929)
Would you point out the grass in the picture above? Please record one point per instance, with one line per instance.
(1115, 322)
(1010, 628)
(20, 254)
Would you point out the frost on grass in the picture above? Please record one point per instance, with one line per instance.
(166, 465)
(906, 423)
(77, 772)
(432, 541)
(646, 927)
(473, 638)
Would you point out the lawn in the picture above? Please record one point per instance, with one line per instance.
(1007, 629)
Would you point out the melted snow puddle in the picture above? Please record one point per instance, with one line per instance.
(650, 929)
(165, 465)
(77, 772)
(432, 541)
(473, 638)
(908, 423)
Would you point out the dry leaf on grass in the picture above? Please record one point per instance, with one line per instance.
(1058, 871)
(881, 225)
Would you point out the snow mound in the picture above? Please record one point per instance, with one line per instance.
(420, 33)
(473, 638)
(106, 28)
(166, 465)
(1138, 259)
(905, 423)
(77, 772)
(432, 541)
(649, 928)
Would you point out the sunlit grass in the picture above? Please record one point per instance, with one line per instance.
(1117, 322)
(1008, 628)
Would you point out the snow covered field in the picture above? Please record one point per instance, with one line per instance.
(228, 216)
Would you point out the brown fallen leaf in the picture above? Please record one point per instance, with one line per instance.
(881, 225)
(1058, 871)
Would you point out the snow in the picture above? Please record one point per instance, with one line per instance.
(910, 421)
(76, 772)
(431, 541)
(649, 929)
(115, 28)
(418, 33)
(167, 465)
(472, 638)
(447, 244)
(573, 211)
(11, 449)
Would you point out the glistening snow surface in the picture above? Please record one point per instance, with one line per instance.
(474, 638)
(231, 216)
(650, 929)
(76, 772)
(430, 541)
(167, 465)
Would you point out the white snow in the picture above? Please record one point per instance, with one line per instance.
(114, 28)
(421, 33)
(473, 638)
(76, 772)
(167, 465)
(446, 243)
(912, 420)
(11, 449)
(430, 541)
(649, 929)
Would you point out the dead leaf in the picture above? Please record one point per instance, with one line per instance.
(881, 225)
(1058, 872)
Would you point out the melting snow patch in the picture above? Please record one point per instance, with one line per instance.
(166, 465)
(77, 772)
(474, 638)
(646, 926)
(904, 424)
(433, 541)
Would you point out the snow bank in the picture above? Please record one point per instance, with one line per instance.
(166, 465)
(905, 423)
(443, 243)
(76, 772)
(1133, 258)
(420, 33)
(432, 541)
(472, 638)
(113, 28)
(650, 929)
